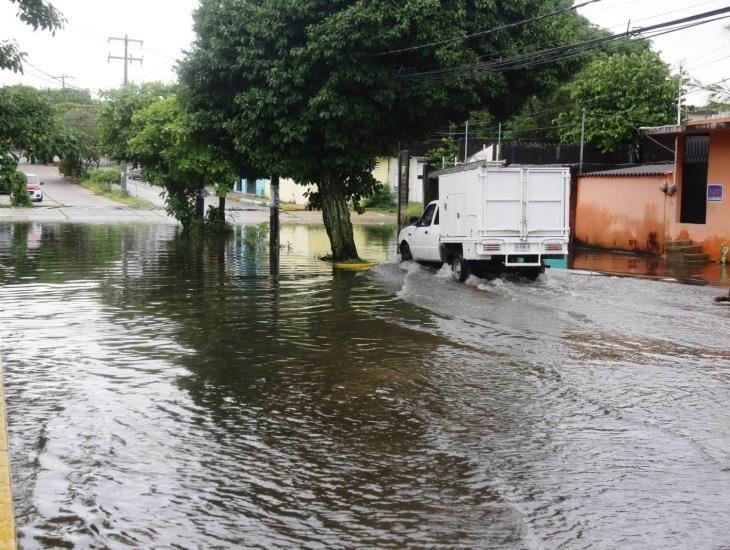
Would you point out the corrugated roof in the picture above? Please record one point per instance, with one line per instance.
(638, 170)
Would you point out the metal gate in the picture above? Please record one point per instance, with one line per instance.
(694, 179)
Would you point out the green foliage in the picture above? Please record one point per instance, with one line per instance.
(414, 210)
(302, 89)
(18, 189)
(382, 199)
(163, 144)
(623, 91)
(38, 14)
(27, 122)
(444, 154)
(105, 176)
(115, 114)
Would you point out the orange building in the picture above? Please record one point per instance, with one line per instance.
(644, 207)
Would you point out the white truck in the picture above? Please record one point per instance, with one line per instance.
(492, 219)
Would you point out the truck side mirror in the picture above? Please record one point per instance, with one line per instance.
(413, 220)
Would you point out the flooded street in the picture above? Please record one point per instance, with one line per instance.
(162, 395)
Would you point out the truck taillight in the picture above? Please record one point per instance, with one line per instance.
(491, 247)
(553, 247)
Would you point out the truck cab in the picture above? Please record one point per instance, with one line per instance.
(420, 240)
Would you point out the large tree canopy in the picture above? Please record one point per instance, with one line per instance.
(310, 90)
(39, 14)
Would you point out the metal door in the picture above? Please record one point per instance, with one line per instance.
(694, 179)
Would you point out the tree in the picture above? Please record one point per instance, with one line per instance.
(26, 127)
(162, 143)
(620, 92)
(311, 90)
(37, 14)
(115, 114)
(444, 154)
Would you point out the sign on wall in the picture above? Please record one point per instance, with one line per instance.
(715, 192)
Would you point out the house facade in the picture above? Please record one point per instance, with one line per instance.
(643, 208)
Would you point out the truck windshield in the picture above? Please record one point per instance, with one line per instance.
(425, 220)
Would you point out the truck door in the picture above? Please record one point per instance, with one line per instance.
(422, 234)
(432, 239)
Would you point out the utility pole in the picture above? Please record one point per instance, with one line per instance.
(499, 143)
(680, 94)
(127, 60)
(63, 78)
(582, 141)
(466, 143)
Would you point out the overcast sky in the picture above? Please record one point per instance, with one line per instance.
(81, 49)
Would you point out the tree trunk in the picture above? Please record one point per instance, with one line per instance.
(274, 229)
(336, 216)
(200, 203)
(222, 208)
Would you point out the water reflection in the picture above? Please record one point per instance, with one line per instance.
(166, 394)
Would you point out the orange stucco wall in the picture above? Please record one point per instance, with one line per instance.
(716, 231)
(622, 213)
(632, 213)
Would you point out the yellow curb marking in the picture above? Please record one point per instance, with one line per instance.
(355, 267)
(7, 519)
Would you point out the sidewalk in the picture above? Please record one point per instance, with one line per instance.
(295, 213)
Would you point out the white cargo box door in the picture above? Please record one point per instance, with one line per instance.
(503, 201)
(546, 202)
(455, 215)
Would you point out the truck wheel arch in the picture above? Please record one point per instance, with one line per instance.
(447, 251)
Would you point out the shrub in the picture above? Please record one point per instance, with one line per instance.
(414, 210)
(382, 198)
(105, 176)
(18, 189)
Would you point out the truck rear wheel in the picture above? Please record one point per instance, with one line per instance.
(459, 267)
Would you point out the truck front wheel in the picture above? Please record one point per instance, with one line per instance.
(459, 267)
(405, 252)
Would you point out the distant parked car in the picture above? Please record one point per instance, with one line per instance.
(34, 187)
(135, 173)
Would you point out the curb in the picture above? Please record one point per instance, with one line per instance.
(7, 518)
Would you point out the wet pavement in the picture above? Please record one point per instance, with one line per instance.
(164, 395)
(650, 267)
(66, 201)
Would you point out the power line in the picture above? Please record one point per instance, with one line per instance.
(63, 78)
(490, 31)
(569, 50)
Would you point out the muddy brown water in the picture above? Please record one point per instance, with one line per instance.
(168, 396)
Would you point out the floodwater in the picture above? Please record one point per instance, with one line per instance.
(162, 395)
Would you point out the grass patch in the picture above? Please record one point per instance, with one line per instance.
(414, 210)
(116, 195)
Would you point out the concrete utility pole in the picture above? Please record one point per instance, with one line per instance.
(127, 60)
(582, 141)
(499, 144)
(63, 79)
(680, 94)
(466, 143)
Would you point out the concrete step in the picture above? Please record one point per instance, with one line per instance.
(696, 258)
(677, 244)
(692, 249)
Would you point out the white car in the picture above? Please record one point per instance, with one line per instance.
(34, 187)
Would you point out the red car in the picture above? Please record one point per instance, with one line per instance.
(34, 187)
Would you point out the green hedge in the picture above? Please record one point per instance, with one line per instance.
(105, 176)
(19, 189)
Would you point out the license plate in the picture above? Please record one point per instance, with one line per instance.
(522, 247)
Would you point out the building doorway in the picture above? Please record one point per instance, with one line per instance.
(694, 179)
